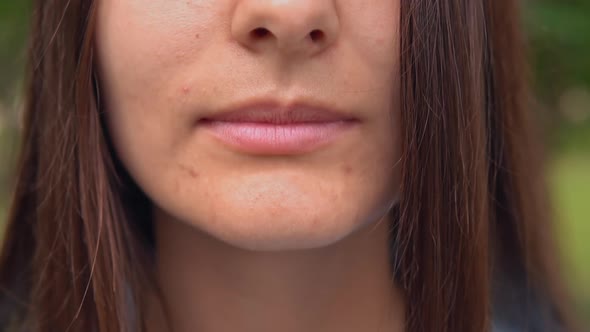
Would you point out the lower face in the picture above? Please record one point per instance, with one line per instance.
(164, 65)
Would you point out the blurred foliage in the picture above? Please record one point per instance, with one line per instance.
(570, 180)
(558, 32)
(13, 31)
(13, 28)
(559, 40)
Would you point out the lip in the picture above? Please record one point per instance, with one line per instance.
(270, 128)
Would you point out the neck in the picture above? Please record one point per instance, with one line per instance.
(208, 285)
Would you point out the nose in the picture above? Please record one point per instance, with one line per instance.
(291, 27)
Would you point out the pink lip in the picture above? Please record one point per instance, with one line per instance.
(264, 129)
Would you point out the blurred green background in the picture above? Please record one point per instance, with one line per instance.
(559, 35)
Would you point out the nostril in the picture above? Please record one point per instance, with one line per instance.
(260, 32)
(316, 35)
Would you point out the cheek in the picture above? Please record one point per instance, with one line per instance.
(142, 43)
(374, 30)
(142, 46)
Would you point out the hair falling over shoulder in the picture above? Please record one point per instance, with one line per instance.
(77, 244)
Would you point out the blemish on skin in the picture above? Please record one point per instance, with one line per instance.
(347, 169)
(180, 55)
(190, 171)
(185, 90)
(197, 36)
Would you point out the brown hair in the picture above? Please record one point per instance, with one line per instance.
(472, 203)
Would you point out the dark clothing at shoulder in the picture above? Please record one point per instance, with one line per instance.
(519, 308)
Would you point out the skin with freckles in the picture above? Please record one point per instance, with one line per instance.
(163, 64)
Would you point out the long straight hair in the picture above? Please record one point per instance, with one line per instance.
(76, 246)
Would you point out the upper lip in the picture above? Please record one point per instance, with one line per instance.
(274, 112)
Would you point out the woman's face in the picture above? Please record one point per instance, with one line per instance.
(166, 65)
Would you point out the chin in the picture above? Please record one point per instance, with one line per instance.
(277, 211)
(291, 229)
(265, 227)
(286, 214)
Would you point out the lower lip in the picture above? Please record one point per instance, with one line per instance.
(268, 138)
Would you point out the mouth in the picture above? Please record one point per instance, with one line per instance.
(272, 129)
